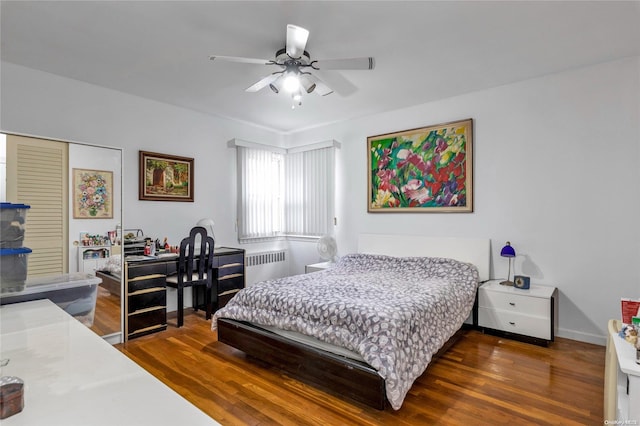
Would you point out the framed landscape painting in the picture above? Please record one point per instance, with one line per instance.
(165, 177)
(92, 194)
(429, 169)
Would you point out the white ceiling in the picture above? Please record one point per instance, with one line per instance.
(424, 50)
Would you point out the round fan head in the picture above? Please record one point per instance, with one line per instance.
(327, 248)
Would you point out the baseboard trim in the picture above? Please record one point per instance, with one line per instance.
(582, 337)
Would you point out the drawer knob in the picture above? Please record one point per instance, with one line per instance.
(512, 304)
(512, 323)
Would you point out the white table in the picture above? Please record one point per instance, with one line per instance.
(74, 377)
(628, 403)
(318, 267)
(530, 313)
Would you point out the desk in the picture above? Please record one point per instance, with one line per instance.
(628, 381)
(146, 293)
(74, 377)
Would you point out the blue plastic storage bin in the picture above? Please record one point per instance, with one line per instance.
(13, 218)
(13, 268)
(76, 293)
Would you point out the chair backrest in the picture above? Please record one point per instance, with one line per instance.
(196, 258)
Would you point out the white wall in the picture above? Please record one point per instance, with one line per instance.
(43, 104)
(46, 105)
(557, 173)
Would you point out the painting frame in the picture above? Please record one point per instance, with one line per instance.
(155, 185)
(92, 194)
(423, 170)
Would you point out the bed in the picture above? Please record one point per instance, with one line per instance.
(110, 274)
(360, 329)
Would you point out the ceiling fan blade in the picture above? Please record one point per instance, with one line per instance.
(365, 63)
(296, 40)
(263, 83)
(321, 88)
(240, 59)
(338, 82)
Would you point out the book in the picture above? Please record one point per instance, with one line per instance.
(630, 308)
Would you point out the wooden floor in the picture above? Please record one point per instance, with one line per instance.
(106, 319)
(481, 380)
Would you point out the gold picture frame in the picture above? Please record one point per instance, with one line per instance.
(424, 170)
(165, 177)
(92, 194)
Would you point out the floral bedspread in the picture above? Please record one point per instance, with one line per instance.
(395, 312)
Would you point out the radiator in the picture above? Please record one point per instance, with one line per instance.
(266, 265)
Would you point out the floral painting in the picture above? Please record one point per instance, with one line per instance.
(422, 170)
(165, 177)
(92, 194)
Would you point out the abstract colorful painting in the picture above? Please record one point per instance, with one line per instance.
(92, 194)
(422, 170)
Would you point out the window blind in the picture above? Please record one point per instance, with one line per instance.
(285, 194)
(260, 200)
(309, 194)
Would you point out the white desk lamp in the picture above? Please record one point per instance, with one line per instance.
(207, 223)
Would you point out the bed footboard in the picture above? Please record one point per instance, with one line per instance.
(110, 282)
(332, 373)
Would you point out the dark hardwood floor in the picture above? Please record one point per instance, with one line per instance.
(481, 380)
(106, 319)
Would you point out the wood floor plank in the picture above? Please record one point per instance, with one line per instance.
(481, 380)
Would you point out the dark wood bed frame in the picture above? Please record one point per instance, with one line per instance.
(332, 373)
(110, 282)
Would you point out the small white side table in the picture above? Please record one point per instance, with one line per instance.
(315, 267)
(521, 313)
(628, 392)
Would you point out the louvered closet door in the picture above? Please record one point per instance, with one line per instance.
(37, 175)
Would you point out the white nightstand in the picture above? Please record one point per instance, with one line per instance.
(526, 314)
(627, 384)
(315, 267)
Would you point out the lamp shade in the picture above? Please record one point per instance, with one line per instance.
(507, 251)
(207, 224)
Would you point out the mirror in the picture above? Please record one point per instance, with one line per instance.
(73, 225)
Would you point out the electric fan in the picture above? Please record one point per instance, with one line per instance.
(327, 248)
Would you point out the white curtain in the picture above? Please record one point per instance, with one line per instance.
(260, 198)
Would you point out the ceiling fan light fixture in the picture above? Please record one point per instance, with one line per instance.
(296, 98)
(291, 82)
(276, 85)
(307, 84)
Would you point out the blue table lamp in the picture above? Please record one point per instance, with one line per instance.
(508, 252)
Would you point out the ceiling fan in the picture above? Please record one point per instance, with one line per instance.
(295, 76)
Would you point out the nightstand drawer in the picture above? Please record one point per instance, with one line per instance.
(230, 269)
(147, 319)
(514, 322)
(155, 297)
(230, 282)
(221, 261)
(517, 303)
(224, 298)
(146, 281)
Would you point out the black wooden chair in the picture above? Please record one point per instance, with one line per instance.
(195, 268)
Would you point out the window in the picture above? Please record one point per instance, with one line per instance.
(284, 193)
(260, 198)
(309, 183)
